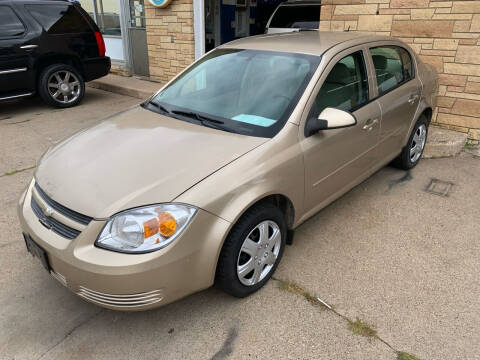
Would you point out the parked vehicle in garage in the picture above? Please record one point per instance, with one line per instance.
(204, 182)
(294, 16)
(50, 48)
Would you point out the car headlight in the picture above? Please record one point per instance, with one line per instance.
(145, 229)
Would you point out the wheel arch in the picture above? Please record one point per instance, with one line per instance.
(281, 201)
(424, 109)
(53, 59)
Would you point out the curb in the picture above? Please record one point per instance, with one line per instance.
(444, 143)
(139, 94)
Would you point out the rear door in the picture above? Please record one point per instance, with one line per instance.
(398, 90)
(16, 72)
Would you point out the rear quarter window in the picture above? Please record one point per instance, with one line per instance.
(59, 19)
(10, 24)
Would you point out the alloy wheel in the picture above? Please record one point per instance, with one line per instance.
(418, 143)
(258, 253)
(64, 87)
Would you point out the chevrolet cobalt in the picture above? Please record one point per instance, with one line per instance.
(204, 183)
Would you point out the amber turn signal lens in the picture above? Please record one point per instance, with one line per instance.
(168, 224)
(151, 227)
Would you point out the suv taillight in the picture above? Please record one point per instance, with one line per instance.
(100, 43)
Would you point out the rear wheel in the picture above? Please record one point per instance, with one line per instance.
(252, 251)
(61, 86)
(412, 152)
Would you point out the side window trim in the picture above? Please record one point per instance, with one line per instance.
(394, 46)
(25, 28)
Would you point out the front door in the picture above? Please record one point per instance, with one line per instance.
(337, 159)
(16, 73)
(138, 38)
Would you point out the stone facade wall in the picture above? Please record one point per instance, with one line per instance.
(170, 41)
(444, 33)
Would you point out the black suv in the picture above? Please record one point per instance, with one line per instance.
(49, 47)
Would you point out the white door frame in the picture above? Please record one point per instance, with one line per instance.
(199, 27)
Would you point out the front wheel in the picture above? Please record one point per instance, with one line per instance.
(61, 86)
(412, 152)
(252, 251)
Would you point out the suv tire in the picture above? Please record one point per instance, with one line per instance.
(61, 86)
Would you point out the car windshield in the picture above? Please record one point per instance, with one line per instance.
(249, 92)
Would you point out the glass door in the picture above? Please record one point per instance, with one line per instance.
(138, 38)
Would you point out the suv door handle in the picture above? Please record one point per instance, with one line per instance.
(370, 124)
(413, 98)
(27, 47)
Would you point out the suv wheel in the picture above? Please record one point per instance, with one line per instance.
(61, 86)
(252, 251)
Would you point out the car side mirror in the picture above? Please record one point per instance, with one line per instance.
(329, 118)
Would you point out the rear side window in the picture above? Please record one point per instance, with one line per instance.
(296, 17)
(346, 86)
(59, 19)
(10, 24)
(393, 66)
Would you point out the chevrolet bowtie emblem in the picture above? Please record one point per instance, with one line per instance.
(48, 211)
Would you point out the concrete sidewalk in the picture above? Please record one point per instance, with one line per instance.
(129, 86)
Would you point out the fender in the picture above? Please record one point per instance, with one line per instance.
(265, 171)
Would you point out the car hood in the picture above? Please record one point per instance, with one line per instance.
(135, 158)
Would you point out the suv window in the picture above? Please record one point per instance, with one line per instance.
(346, 86)
(296, 17)
(10, 24)
(59, 19)
(393, 66)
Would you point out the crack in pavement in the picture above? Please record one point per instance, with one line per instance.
(296, 289)
(13, 172)
(65, 337)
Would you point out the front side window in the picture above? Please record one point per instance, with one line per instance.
(251, 92)
(346, 86)
(59, 19)
(393, 66)
(10, 24)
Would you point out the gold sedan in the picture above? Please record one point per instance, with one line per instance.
(205, 182)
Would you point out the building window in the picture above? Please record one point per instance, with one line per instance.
(106, 14)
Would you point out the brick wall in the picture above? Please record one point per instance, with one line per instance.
(170, 39)
(444, 33)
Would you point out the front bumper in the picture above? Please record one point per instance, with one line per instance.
(130, 281)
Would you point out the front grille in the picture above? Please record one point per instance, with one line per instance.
(53, 224)
(125, 301)
(75, 216)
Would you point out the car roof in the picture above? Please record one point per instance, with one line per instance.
(304, 42)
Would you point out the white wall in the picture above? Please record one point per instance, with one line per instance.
(114, 47)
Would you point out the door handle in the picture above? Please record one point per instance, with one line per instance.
(27, 47)
(370, 124)
(413, 99)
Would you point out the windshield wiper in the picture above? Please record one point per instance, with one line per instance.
(197, 116)
(204, 120)
(160, 107)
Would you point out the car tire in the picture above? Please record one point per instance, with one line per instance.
(233, 275)
(61, 86)
(412, 152)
